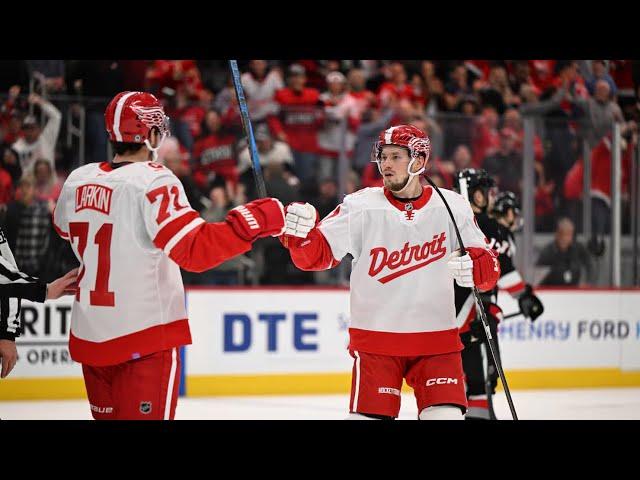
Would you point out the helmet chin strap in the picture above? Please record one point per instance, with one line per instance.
(154, 151)
(406, 184)
(411, 174)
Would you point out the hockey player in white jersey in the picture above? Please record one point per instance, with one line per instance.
(131, 226)
(405, 252)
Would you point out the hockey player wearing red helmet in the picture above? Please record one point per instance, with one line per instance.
(132, 119)
(131, 227)
(394, 147)
(405, 254)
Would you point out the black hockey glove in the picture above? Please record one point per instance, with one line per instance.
(530, 304)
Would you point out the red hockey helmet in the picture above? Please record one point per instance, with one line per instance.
(408, 136)
(130, 116)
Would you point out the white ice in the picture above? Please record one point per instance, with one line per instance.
(575, 404)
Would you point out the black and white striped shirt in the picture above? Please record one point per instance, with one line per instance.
(15, 285)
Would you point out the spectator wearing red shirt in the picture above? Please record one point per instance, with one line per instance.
(569, 78)
(6, 187)
(215, 153)
(13, 128)
(622, 73)
(420, 91)
(10, 121)
(300, 116)
(479, 68)
(371, 176)
(314, 73)
(544, 198)
(192, 115)
(397, 87)
(600, 181)
(562, 106)
(179, 85)
(512, 119)
(542, 73)
(363, 97)
(486, 139)
(188, 109)
(10, 162)
(165, 76)
(340, 117)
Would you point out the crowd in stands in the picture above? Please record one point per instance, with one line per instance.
(307, 115)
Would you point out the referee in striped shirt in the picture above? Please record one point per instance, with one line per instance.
(14, 286)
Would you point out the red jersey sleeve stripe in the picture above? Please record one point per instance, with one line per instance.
(511, 282)
(184, 231)
(175, 216)
(515, 289)
(167, 232)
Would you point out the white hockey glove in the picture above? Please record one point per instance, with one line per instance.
(300, 219)
(462, 269)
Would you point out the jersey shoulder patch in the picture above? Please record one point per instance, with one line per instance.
(156, 167)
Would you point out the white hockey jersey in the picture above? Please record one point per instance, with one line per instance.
(402, 295)
(130, 301)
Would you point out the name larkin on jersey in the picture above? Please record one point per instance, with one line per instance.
(425, 254)
(94, 197)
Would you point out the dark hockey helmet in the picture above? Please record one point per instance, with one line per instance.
(469, 179)
(505, 201)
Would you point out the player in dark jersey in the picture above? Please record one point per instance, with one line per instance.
(480, 371)
(506, 211)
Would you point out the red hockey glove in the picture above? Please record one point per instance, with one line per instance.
(486, 268)
(257, 219)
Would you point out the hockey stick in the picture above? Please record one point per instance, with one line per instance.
(261, 189)
(514, 314)
(487, 380)
(480, 308)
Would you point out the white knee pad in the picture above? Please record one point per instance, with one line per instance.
(359, 416)
(441, 412)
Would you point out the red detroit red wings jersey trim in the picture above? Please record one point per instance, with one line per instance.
(131, 346)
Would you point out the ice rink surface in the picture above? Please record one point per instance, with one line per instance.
(576, 404)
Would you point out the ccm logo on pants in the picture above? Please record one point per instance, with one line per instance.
(441, 381)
